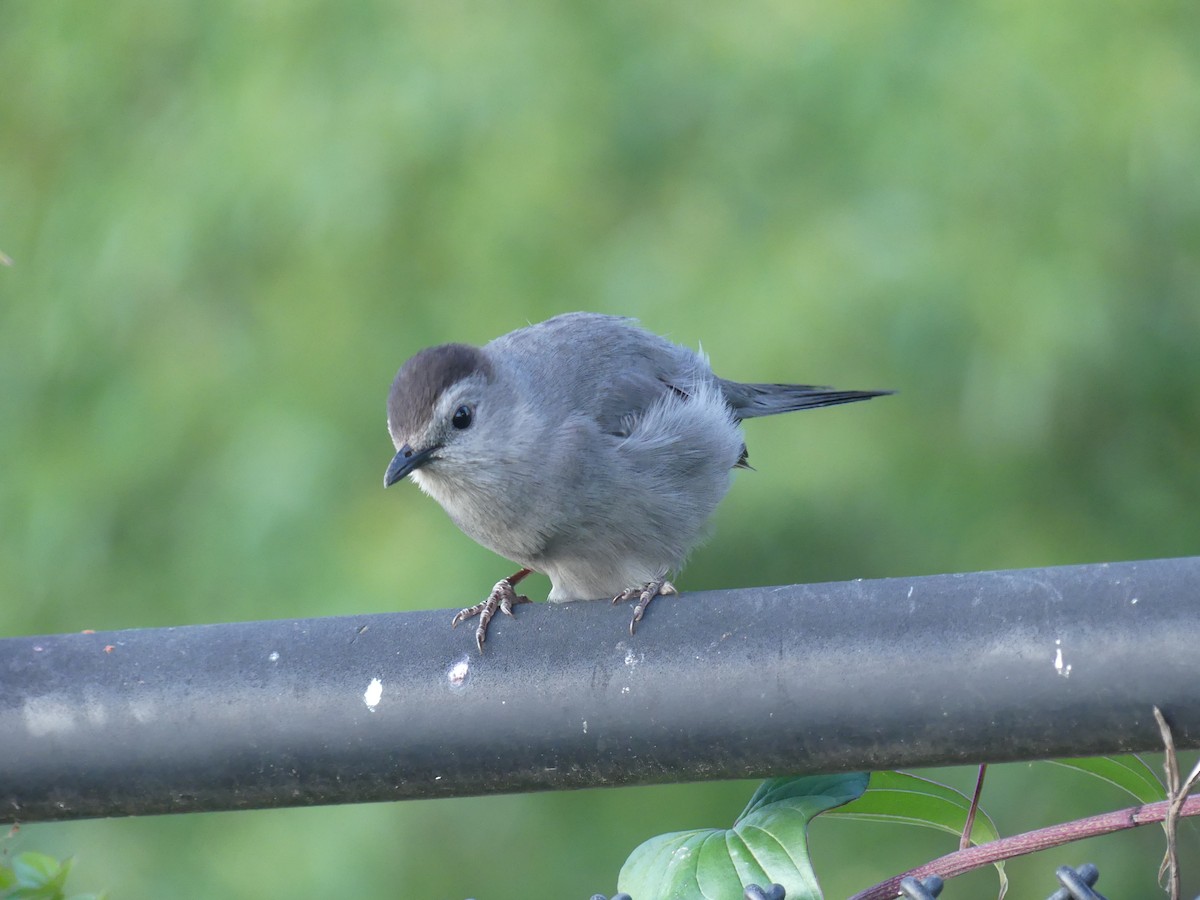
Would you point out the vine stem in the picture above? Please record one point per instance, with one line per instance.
(1030, 842)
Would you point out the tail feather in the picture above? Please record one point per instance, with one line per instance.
(750, 400)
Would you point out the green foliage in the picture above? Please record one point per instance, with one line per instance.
(767, 845)
(912, 800)
(1129, 773)
(908, 799)
(36, 876)
(230, 223)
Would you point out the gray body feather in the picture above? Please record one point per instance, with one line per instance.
(595, 450)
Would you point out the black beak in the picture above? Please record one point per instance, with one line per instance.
(405, 461)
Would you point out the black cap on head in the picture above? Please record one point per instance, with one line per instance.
(422, 380)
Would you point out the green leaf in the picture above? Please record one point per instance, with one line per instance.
(1129, 772)
(912, 800)
(39, 877)
(909, 799)
(38, 869)
(768, 844)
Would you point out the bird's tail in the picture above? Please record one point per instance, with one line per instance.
(750, 400)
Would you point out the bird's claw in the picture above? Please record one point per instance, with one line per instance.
(644, 594)
(503, 597)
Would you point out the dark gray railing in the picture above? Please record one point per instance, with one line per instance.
(758, 682)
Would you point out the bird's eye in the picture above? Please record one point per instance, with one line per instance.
(462, 418)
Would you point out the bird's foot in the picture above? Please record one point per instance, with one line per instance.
(644, 594)
(502, 597)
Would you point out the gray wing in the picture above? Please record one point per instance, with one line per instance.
(606, 367)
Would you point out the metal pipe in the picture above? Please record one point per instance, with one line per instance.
(938, 670)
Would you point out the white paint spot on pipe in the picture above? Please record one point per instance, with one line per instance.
(373, 694)
(458, 673)
(1062, 668)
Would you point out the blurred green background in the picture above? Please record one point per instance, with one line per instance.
(230, 224)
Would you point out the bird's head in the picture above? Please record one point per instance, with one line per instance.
(436, 406)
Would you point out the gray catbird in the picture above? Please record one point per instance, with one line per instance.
(584, 447)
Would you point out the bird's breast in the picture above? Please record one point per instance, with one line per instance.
(487, 516)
